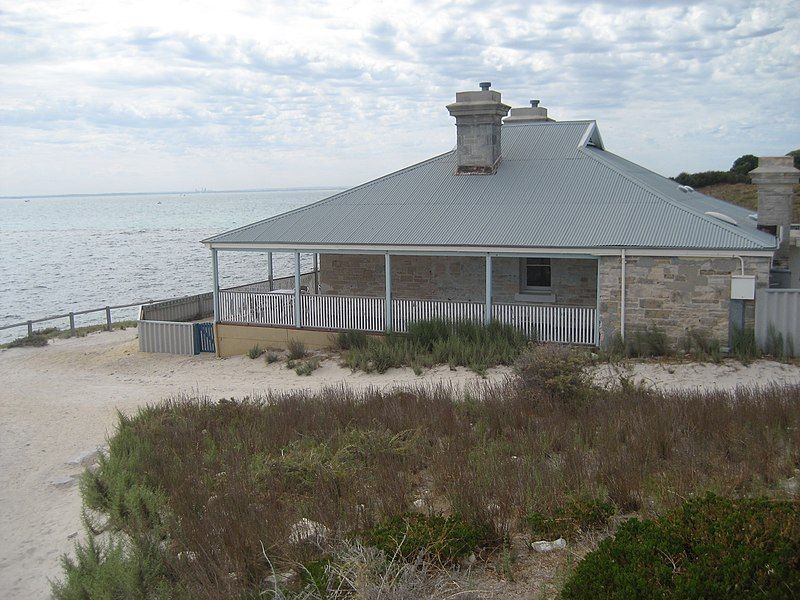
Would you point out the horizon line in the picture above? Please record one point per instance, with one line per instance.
(204, 191)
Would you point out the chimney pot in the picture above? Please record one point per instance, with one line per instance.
(485, 85)
(534, 103)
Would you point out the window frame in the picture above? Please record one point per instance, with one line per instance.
(544, 263)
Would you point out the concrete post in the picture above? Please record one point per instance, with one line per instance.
(215, 276)
(297, 316)
(72, 324)
(108, 318)
(387, 261)
(487, 313)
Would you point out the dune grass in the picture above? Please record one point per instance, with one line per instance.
(41, 337)
(435, 341)
(206, 495)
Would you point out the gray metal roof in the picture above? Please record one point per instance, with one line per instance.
(556, 187)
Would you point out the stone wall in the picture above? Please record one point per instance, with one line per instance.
(674, 294)
(574, 281)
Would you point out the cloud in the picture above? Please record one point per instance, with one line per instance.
(250, 94)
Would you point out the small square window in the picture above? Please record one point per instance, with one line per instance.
(537, 273)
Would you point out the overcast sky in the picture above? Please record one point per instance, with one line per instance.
(100, 96)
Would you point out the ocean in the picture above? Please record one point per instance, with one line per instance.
(65, 253)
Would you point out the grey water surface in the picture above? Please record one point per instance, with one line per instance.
(63, 253)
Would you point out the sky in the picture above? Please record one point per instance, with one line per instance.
(109, 96)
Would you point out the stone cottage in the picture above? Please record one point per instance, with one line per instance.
(528, 221)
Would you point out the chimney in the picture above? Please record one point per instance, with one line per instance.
(528, 114)
(479, 116)
(775, 178)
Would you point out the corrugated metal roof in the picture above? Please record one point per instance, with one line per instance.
(551, 190)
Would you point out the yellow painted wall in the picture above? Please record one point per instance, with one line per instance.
(234, 340)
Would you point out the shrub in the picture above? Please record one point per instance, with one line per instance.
(647, 342)
(33, 340)
(271, 357)
(699, 180)
(434, 538)
(700, 345)
(558, 370)
(297, 349)
(307, 366)
(347, 340)
(744, 164)
(743, 344)
(255, 352)
(578, 515)
(710, 548)
(774, 345)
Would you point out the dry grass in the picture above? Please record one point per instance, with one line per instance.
(746, 194)
(217, 480)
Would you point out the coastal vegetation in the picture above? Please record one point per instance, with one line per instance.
(341, 494)
(434, 341)
(41, 337)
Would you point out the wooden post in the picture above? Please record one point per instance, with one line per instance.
(72, 324)
(487, 313)
(30, 328)
(387, 258)
(269, 271)
(108, 318)
(297, 318)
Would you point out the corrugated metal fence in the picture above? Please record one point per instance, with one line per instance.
(778, 319)
(165, 336)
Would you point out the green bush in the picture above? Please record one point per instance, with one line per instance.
(255, 352)
(743, 344)
(438, 341)
(646, 342)
(297, 350)
(271, 357)
(34, 340)
(577, 516)
(558, 370)
(699, 180)
(709, 548)
(744, 164)
(307, 367)
(700, 345)
(350, 339)
(436, 538)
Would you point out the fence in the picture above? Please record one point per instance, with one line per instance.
(564, 324)
(778, 313)
(163, 336)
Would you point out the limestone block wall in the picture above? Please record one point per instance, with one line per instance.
(673, 293)
(574, 281)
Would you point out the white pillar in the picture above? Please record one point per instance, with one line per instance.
(623, 260)
(215, 274)
(297, 319)
(487, 314)
(269, 270)
(387, 258)
(316, 273)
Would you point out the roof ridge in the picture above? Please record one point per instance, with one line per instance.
(732, 229)
(329, 198)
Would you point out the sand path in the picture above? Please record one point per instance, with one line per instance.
(60, 401)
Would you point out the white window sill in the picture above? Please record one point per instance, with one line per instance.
(542, 297)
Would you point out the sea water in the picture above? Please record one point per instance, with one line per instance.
(68, 253)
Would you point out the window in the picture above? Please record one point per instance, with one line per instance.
(537, 274)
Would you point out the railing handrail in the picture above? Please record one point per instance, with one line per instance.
(73, 313)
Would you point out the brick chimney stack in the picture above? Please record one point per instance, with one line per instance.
(479, 116)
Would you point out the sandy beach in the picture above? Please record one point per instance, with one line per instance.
(59, 403)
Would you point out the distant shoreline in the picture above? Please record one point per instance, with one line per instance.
(184, 192)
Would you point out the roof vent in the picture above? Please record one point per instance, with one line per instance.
(685, 188)
(722, 217)
(528, 114)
